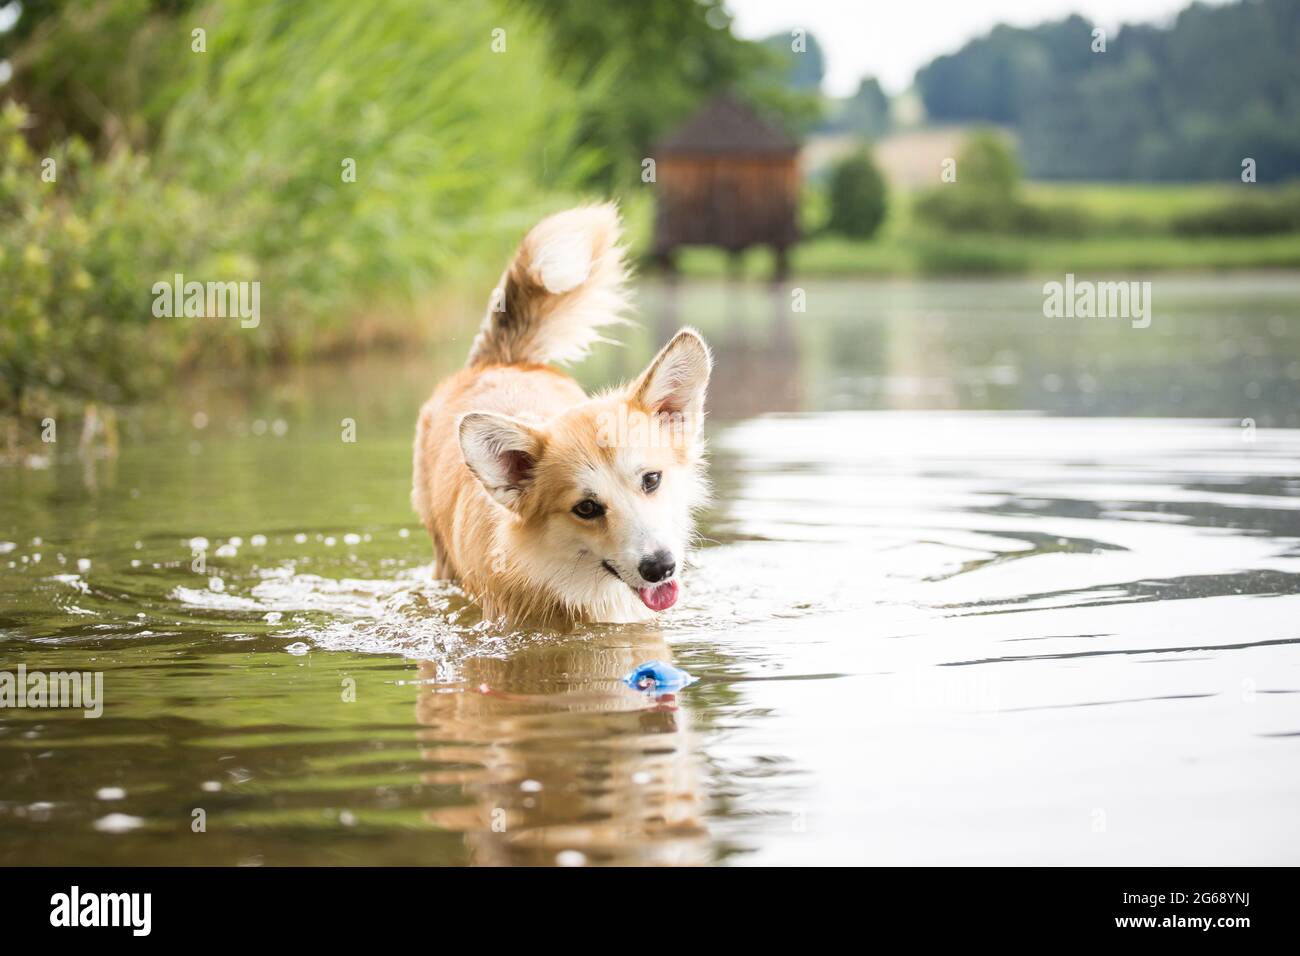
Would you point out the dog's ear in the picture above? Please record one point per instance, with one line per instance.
(502, 452)
(675, 382)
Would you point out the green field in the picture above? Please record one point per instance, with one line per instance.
(1158, 202)
(1130, 229)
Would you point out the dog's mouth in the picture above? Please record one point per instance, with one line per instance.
(659, 597)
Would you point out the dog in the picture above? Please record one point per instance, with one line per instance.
(545, 504)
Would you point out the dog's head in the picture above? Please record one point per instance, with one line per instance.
(603, 493)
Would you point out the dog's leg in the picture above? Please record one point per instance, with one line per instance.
(442, 569)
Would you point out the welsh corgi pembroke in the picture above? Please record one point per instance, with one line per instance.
(548, 505)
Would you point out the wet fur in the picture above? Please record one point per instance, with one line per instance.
(506, 446)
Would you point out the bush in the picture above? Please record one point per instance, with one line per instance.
(987, 165)
(96, 70)
(78, 257)
(1250, 215)
(956, 255)
(984, 197)
(1050, 219)
(857, 197)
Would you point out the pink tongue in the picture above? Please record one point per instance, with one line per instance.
(660, 597)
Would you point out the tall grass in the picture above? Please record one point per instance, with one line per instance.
(456, 147)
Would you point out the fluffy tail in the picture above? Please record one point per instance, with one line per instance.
(565, 282)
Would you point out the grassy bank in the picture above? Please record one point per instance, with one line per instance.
(938, 255)
(1131, 228)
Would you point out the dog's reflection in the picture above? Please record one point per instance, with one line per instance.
(559, 760)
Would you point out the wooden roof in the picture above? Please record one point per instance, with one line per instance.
(726, 124)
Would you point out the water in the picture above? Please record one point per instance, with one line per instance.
(980, 586)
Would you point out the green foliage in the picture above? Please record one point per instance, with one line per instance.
(985, 196)
(991, 78)
(1254, 213)
(457, 148)
(857, 196)
(95, 69)
(1133, 207)
(865, 113)
(961, 255)
(229, 165)
(1188, 101)
(804, 68)
(988, 165)
(988, 198)
(637, 69)
(968, 253)
(78, 257)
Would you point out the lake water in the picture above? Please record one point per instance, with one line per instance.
(979, 587)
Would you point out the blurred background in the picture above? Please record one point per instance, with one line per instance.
(372, 167)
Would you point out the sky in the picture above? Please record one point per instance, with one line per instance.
(891, 39)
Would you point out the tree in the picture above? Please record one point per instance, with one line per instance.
(642, 67)
(865, 113)
(1187, 101)
(857, 196)
(802, 58)
(987, 164)
(985, 196)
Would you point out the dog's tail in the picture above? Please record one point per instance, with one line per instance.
(566, 281)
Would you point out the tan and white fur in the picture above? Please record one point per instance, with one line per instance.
(547, 505)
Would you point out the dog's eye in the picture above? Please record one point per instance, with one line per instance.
(650, 481)
(588, 509)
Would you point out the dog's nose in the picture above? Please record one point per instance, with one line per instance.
(657, 566)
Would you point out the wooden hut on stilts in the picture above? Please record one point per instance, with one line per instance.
(727, 178)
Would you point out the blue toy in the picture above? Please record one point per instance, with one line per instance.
(658, 677)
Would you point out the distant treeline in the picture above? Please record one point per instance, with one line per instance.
(1188, 101)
